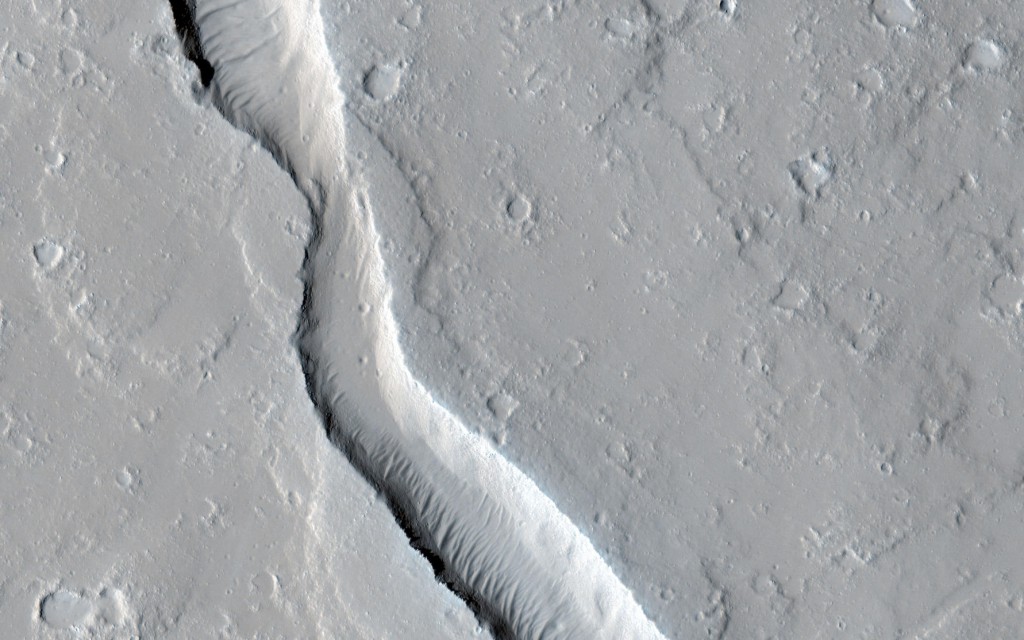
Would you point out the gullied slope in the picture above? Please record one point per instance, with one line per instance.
(501, 543)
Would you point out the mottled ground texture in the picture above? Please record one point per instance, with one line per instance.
(736, 285)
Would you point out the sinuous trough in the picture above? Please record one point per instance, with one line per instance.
(496, 539)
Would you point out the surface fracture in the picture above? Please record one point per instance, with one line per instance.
(499, 541)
